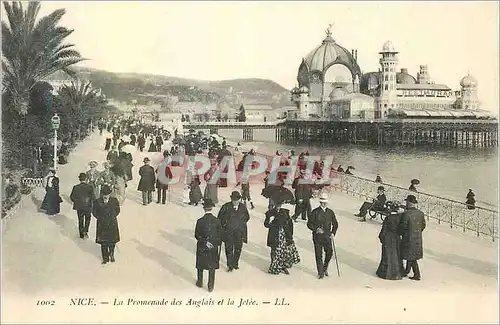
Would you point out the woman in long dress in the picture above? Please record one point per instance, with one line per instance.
(211, 189)
(391, 264)
(51, 203)
(106, 177)
(92, 178)
(280, 239)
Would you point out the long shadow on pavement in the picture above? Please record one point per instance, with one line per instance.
(187, 243)
(69, 229)
(165, 260)
(466, 263)
(355, 261)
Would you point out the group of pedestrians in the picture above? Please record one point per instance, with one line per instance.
(97, 194)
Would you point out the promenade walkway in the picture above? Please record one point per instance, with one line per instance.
(43, 259)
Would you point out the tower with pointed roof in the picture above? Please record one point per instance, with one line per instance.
(387, 98)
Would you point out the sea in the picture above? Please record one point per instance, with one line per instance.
(445, 172)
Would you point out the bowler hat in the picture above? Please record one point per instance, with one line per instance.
(380, 188)
(208, 203)
(82, 177)
(411, 198)
(146, 159)
(106, 190)
(235, 195)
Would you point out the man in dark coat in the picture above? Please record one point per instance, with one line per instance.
(106, 209)
(82, 196)
(303, 194)
(141, 142)
(411, 226)
(378, 204)
(323, 225)
(147, 182)
(159, 142)
(208, 233)
(234, 217)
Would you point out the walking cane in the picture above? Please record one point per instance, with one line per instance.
(335, 253)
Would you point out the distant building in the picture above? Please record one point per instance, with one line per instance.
(375, 95)
(262, 113)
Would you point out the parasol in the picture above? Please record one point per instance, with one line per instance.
(280, 194)
(128, 148)
(415, 181)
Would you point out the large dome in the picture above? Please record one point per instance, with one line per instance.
(468, 81)
(405, 78)
(328, 54)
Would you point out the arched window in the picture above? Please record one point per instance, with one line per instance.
(386, 78)
(385, 87)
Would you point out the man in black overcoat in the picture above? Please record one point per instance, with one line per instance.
(323, 225)
(411, 226)
(208, 233)
(82, 196)
(234, 217)
(303, 194)
(147, 182)
(106, 209)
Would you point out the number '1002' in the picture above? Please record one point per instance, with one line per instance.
(45, 303)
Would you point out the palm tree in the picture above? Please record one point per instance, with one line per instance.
(79, 102)
(32, 50)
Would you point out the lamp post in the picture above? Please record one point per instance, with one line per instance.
(56, 121)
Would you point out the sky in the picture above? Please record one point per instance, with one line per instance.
(228, 40)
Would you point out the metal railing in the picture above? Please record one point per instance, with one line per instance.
(33, 182)
(249, 123)
(481, 220)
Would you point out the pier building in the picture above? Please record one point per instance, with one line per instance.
(322, 92)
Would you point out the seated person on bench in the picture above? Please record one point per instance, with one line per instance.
(378, 204)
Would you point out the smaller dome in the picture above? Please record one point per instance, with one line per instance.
(388, 47)
(468, 81)
(304, 89)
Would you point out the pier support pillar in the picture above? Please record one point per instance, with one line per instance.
(248, 134)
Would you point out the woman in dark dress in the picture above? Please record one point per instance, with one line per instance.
(470, 200)
(391, 264)
(280, 238)
(51, 204)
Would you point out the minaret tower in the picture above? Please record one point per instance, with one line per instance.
(387, 96)
(469, 98)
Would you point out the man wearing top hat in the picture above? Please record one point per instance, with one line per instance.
(234, 217)
(106, 209)
(208, 233)
(411, 226)
(147, 182)
(323, 225)
(82, 196)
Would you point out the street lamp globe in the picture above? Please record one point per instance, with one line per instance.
(56, 121)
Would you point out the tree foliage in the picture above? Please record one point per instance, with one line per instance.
(77, 103)
(32, 50)
(242, 116)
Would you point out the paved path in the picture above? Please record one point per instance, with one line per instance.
(44, 259)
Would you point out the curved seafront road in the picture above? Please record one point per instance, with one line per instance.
(44, 259)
